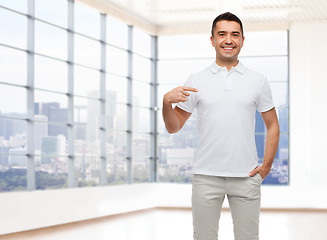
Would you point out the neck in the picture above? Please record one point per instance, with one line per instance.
(227, 64)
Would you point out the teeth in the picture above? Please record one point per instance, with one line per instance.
(228, 48)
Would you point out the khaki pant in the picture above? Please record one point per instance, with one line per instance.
(243, 193)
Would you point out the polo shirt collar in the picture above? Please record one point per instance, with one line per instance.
(215, 68)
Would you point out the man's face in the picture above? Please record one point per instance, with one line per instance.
(227, 40)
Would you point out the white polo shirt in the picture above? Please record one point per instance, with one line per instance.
(226, 103)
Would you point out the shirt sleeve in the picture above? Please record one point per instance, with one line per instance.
(190, 103)
(264, 101)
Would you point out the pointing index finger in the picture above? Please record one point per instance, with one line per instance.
(190, 89)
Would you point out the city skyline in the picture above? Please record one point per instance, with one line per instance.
(176, 153)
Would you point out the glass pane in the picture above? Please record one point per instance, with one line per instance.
(51, 172)
(52, 146)
(141, 94)
(13, 28)
(178, 71)
(141, 146)
(18, 5)
(279, 93)
(50, 74)
(141, 160)
(51, 41)
(141, 68)
(141, 170)
(12, 101)
(161, 123)
(141, 43)
(49, 139)
(141, 120)
(176, 156)
(283, 118)
(61, 133)
(117, 85)
(265, 43)
(53, 11)
(13, 66)
(12, 137)
(111, 116)
(86, 82)
(116, 32)
(87, 111)
(87, 51)
(40, 131)
(274, 68)
(87, 21)
(87, 172)
(111, 105)
(116, 158)
(283, 147)
(116, 61)
(51, 105)
(186, 46)
(118, 121)
(13, 176)
(87, 146)
(117, 145)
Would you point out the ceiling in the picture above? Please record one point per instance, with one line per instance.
(186, 16)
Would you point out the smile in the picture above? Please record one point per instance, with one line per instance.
(228, 48)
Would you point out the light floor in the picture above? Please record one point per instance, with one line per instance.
(174, 224)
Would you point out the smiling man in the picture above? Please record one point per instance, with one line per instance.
(226, 96)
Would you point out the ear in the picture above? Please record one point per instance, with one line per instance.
(242, 42)
(212, 41)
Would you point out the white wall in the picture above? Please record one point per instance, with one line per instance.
(308, 158)
(21, 211)
(30, 210)
(308, 105)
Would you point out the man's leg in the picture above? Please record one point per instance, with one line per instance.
(208, 194)
(244, 195)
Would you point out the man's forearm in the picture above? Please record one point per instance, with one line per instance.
(271, 146)
(170, 118)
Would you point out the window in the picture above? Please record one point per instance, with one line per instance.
(141, 106)
(13, 107)
(84, 95)
(84, 92)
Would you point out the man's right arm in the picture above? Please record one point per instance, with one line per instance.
(175, 118)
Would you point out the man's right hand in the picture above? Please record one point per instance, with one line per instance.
(175, 117)
(178, 94)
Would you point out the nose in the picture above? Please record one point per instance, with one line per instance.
(228, 39)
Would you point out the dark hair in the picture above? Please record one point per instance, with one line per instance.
(228, 17)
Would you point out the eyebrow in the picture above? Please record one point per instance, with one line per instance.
(226, 32)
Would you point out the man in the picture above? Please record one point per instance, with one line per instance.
(226, 95)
